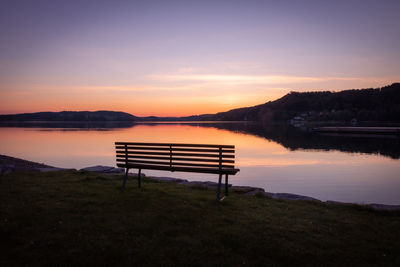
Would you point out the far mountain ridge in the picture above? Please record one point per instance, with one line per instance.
(101, 115)
(380, 104)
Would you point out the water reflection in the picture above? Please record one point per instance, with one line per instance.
(295, 138)
(288, 136)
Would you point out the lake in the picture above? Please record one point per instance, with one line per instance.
(278, 158)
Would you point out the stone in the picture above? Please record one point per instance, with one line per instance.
(288, 196)
(117, 170)
(384, 207)
(373, 205)
(103, 169)
(53, 169)
(169, 179)
(248, 190)
(207, 184)
(255, 191)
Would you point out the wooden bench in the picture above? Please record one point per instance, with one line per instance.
(200, 158)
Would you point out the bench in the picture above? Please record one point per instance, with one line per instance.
(199, 158)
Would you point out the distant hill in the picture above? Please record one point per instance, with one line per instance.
(381, 104)
(71, 116)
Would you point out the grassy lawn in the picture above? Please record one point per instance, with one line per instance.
(77, 218)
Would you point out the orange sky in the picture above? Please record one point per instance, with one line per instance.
(191, 97)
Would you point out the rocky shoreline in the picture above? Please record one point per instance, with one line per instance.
(11, 164)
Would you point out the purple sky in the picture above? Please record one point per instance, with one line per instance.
(189, 57)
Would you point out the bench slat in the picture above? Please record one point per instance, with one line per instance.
(182, 169)
(202, 165)
(164, 163)
(176, 158)
(122, 152)
(175, 149)
(173, 144)
(224, 150)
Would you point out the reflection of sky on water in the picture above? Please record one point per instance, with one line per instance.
(323, 174)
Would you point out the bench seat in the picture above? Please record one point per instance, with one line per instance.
(229, 171)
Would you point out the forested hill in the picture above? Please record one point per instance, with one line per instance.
(71, 116)
(380, 104)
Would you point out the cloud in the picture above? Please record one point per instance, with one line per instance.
(26, 88)
(245, 79)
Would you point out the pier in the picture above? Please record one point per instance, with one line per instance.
(364, 130)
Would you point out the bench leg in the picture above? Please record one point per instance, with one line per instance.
(226, 184)
(124, 182)
(139, 178)
(219, 187)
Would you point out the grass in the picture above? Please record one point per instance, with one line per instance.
(82, 219)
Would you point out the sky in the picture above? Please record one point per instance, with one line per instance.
(178, 58)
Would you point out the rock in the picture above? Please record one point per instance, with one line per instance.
(98, 168)
(117, 170)
(288, 196)
(207, 184)
(373, 205)
(210, 184)
(103, 169)
(20, 164)
(248, 190)
(169, 179)
(135, 174)
(255, 191)
(193, 183)
(53, 169)
(384, 207)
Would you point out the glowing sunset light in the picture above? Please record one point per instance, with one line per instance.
(246, 79)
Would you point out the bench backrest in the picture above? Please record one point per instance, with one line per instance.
(165, 155)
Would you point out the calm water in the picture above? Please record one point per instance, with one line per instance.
(279, 159)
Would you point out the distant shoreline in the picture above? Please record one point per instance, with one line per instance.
(318, 125)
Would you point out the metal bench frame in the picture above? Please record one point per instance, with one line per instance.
(199, 158)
